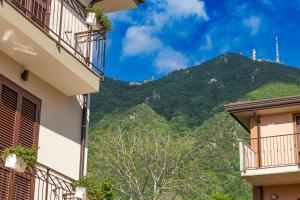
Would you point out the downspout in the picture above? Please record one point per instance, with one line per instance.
(258, 136)
(84, 129)
(258, 140)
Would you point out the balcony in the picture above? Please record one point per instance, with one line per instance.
(271, 160)
(39, 183)
(52, 40)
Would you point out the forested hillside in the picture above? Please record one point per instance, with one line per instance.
(139, 133)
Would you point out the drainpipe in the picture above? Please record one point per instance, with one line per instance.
(84, 130)
(258, 136)
(258, 140)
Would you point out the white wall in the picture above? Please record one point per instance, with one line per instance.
(60, 126)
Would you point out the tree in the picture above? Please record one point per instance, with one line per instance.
(143, 165)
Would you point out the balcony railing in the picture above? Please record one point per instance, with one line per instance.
(267, 152)
(38, 183)
(64, 22)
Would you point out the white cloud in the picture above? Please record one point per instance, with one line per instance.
(139, 40)
(144, 39)
(169, 60)
(180, 8)
(253, 23)
(208, 44)
(121, 16)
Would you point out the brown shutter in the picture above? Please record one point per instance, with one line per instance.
(21, 4)
(40, 12)
(28, 123)
(19, 124)
(4, 183)
(21, 188)
(8, 116)
(8, 110)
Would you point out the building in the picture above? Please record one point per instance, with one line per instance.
(47, 72)
(270, 160)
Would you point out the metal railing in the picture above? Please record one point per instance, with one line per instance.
(64, 22)
(43, 183)
(267, 152)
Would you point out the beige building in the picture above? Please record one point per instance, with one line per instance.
(270, 160)
(46, 76)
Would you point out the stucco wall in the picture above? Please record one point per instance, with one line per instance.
(286, 192)
(60, 125)
(279, 124)
(278, 150)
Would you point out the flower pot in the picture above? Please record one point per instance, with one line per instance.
(91, 19)
(16, 163)
(80, 193)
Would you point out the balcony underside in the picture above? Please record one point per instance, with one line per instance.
(36, 51)
(273, 176)
(115, 5)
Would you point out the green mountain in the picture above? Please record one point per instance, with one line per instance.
(196, 93)
(186, 106)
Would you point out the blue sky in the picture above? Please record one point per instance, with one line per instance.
(166, 35)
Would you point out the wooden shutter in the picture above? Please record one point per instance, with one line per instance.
(19, 124)
(8, 116)
(28, 123)
(22, 188)
(4, 183)
(40, 13)
(22, 4)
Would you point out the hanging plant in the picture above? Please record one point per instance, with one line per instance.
(97, 19)
(92, 189)
(19, 157)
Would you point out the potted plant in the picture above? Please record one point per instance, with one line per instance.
(90, 188)
(19, 157)
(97, 19)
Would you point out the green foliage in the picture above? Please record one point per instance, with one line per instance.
(273, 90)
(188, 105)
(190, 96)
(103, 20)
(221, 196)
(29, 155)
(96, 190)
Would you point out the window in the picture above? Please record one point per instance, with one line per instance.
(19, 124)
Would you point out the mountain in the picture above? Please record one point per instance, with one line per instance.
(193, 95)
(188, 105)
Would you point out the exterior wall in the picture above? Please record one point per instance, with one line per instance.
(274, 125)
(274, 151)
(60, 124)
(285, 192)
(278, 150)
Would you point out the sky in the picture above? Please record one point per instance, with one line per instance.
(161, 36)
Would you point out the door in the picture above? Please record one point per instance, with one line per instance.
(19, 124)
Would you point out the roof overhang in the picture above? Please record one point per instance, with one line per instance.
(242, 111)
(115, 5)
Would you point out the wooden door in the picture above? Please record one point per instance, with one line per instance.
(19, 124)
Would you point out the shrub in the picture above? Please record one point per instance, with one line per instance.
(96, 190)
(29, 155)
